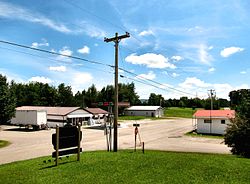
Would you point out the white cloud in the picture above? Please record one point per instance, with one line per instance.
(151, 60)
(146, 33)
(84, 50)
(43, 43)
(176, 58)
(193, 82)
(91, 30)
(230, 50)
(175, 75)
(204, 56)
(65, 51)
(198, 52)
(11, 11)
(57, 68)
(243, 72)
(211, 69)
(79, 80)
(150, 75)
(40, 79)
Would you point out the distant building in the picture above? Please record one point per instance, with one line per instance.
(213, 121)
(60, 115)
(99, 115)
(150, 111)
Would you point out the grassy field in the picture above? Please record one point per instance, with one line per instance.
(130, 167)
(179, 112)
(4, 143)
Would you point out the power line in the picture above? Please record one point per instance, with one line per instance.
(156, 82)
(93, 62)
(90, 13)
(54, 53)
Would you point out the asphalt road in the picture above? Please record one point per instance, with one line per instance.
(158, 135)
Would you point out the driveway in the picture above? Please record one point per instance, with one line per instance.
(157, 134)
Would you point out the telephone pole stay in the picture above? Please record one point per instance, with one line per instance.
(116, 40)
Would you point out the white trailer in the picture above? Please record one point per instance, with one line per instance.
(30, 118)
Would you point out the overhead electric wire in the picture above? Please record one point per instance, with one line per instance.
(126, 30)
(51, 59)
(156, 82)
(90, 13)
(95, 62)
(54, 53)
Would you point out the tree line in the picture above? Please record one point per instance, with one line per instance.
(40, 94)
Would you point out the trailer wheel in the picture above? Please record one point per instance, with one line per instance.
(35, 127)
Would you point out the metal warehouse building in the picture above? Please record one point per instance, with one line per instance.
(150, 111)
(60, 115)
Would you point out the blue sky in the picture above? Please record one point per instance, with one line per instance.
(190, 46)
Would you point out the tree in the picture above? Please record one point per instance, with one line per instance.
(65, 96)
(238, 132)
(7, 101)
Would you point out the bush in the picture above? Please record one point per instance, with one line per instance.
(238, 136)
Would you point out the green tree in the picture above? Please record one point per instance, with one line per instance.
(7, 101)
(238, 132)
(65, 96)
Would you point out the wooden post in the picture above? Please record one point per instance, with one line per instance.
(135, 137)
(143, 147)
(79, 142)
(57, 144)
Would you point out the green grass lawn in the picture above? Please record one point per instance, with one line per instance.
(179, 112)
(130, 167)
(194, 134)
(4, 143)
(121, 118)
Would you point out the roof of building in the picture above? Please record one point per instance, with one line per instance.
(143, 108)
(215, 113)
(61, 111)
(96, 111)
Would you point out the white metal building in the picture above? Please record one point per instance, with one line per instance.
(150, 111)
(213, 121)
(60, 115)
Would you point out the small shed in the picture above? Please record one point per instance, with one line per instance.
(150, 111)
(61, 115)
(99, 115)
(213, 121)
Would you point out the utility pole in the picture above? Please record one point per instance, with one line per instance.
(211, 94)
(116, 40)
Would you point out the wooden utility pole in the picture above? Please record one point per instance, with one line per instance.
(116, 40)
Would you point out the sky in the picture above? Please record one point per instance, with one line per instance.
(176, 48)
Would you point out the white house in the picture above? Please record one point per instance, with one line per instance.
(213, 121)
(151, 111)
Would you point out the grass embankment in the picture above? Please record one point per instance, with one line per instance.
(130, 167)
(4, 143)
(194, 134)
(179, 112)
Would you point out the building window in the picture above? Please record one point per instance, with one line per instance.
(207, 121)
(223, 121)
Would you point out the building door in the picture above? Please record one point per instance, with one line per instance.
(152, 114)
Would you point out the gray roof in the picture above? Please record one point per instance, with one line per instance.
(144, 108)
(61, 111)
